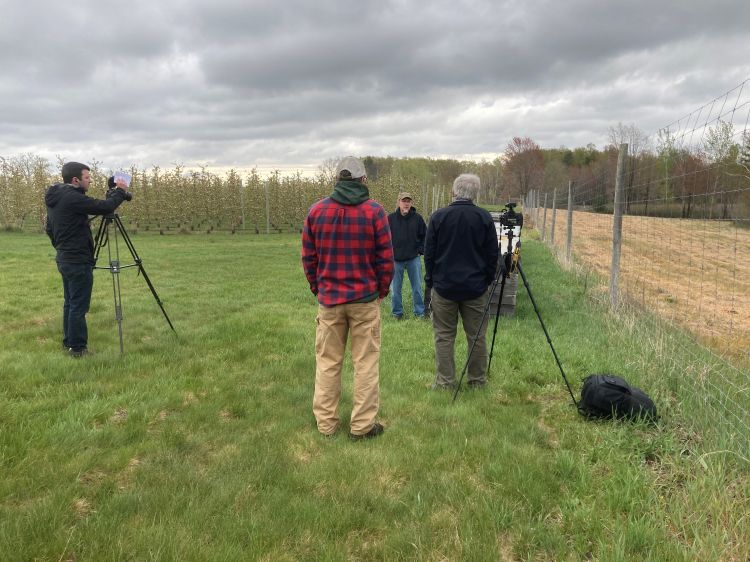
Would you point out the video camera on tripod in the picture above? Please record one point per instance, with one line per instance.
(509, 218)
(114, 181)
(511, 224)
(102, 239)
(508, 224)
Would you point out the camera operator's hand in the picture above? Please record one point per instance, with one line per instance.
(122, 184)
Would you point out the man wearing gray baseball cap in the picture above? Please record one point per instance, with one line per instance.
(348, 261)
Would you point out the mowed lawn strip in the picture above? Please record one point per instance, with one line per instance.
(202, 445)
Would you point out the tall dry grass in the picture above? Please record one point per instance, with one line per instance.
(695, 273)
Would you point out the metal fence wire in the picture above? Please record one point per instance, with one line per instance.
(669, 229)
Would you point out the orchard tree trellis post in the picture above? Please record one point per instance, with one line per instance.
(268, 208)
(554, 216)
(242, 203)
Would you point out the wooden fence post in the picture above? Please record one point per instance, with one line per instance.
(530, 206)
(569, 243)
(532, 203)
(614, 274)
(554, 216)
(527, 205)
(544, 219)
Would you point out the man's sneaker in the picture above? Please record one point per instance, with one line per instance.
(477, 384)
(398, 317)
(375, 430)
(78, 352)
(437, 386)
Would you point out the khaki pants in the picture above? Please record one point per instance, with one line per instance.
(445, 322)
(334, 324)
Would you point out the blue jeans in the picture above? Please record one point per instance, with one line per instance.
(78, 280)
(414, 268)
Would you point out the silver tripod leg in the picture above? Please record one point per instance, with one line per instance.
(114, 267)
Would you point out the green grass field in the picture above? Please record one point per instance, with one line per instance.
(202, 446)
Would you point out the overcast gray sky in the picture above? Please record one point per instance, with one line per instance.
(291, 83)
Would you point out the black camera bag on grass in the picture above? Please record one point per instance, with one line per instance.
(608, 396)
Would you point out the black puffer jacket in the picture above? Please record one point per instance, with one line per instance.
(68, 210)
(407, 234)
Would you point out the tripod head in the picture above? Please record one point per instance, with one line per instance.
(102, 236)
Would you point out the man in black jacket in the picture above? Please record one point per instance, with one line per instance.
(460, 262)
(68, 210)
(407, 233)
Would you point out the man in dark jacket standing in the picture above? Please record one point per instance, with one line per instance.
(348, 262)
(460, 262)
(408, 232)
(68, 210)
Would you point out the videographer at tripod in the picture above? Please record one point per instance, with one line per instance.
(68, 227)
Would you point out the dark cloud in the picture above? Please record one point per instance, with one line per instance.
(288, 84)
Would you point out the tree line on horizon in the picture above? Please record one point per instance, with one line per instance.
(663, 176)
(711, 179)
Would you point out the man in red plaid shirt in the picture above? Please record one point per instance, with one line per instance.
(348, 261)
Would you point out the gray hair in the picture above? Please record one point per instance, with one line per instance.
(466, 186)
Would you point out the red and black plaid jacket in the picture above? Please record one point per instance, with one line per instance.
(346, 251)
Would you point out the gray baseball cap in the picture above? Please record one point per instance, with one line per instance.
(353, 165)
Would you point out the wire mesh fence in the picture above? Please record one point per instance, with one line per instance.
(682, 255)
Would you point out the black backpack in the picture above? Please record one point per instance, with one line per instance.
(608, 396)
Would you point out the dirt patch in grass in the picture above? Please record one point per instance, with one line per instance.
(82, 508)
(92, 478)
(505, 547)
(389, 482)
(120, 416)
(125, 477)
(155, 423)
(364, 544)
(551, 434)
(305, 452)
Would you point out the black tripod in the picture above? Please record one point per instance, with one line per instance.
(101, 240)
(509, 262)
